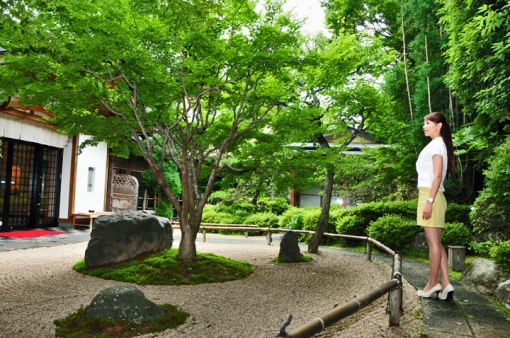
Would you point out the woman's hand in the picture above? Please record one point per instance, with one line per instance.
(427, 210)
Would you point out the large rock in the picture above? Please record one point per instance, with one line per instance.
(483, 275)
(289, 248)
(122, 236)
(124, 302)
(502, 293)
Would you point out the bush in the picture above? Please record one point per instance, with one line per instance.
(489, 217)
(164, 209)
(241, 207)
(354, 221)
(456, 234)
(491, 210)
(210, 215)
(394, 231)
(458, 213)
(311, 218)
(500, 253)
(277, 206)
(297, 222)
(287, 216)
(354, 225)
(263, 220)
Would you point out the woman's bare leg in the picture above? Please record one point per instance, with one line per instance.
(436, 250)
(445, 278)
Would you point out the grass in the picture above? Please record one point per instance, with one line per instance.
(76, 325)
(159, 268)
(162, 268)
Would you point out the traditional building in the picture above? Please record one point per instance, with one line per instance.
(312, 197)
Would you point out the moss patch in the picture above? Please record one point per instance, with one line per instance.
(300, 260)
(162, 268)
(77, 325)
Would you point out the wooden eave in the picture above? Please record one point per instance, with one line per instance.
(15, 108)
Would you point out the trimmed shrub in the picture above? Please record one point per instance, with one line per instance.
(354, 225)
(458, 213)
(394, 231)
(456, 234)
(354, 221)
(296, 222)
(287, 216)
(240, 207)
(311, 218)
(277, 206)
(210, 215)
(263, 220)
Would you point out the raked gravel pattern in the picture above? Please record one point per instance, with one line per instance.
(38, 285)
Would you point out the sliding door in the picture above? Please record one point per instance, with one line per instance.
(29, 185)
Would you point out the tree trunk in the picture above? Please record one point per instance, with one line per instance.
(313, 246)
(187, 247)
(257, 194)
(405, 62)
(428, 77)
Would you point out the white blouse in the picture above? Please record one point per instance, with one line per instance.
(425, 166)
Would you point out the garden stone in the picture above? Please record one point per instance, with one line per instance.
(483, 275)
(289, 248)
(122, 236)
(420, 241)
(502, 293)
(124, 302)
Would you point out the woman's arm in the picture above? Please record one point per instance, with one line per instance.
(437, 166)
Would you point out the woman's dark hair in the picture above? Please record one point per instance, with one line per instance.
(446, 134)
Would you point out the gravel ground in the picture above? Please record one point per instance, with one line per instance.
(38, 285)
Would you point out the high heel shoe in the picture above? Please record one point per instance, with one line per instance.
(447, 293)
(435, 290)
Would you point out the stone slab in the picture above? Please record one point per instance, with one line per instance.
(440, 316)
(487, 321)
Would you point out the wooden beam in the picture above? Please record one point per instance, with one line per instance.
(26, 116)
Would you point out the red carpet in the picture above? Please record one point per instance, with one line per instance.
(30, 233)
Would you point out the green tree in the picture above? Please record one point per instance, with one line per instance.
(337, 97)
(412, 32)
(200, 74)
(477, 53)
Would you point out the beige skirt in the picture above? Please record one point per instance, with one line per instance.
(438, 209)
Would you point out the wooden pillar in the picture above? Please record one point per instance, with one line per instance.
(369, 250)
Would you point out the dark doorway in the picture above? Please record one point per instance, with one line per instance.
(29, 185)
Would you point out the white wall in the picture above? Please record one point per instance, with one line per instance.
(91, 157)
(311, 198)
(65, 183)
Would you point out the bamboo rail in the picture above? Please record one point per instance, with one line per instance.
(317, 325)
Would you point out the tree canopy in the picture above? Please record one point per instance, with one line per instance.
(203, 76)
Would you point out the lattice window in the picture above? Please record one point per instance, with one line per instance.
(124, 194)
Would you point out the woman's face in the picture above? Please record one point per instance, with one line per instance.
(431, 129)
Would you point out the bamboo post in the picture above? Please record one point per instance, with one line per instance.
(395, 301)
(396, 294)
(203, 235)
(269, 239)
(369, 250)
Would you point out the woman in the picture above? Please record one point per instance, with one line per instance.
(434, 161)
